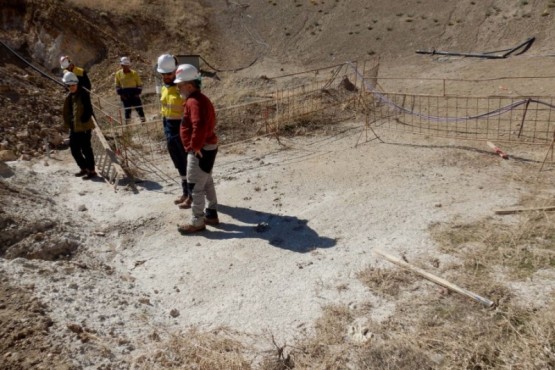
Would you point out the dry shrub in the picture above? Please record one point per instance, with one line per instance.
(212, 350)
(385, 282)
(523, 248)
(287, 108)
(325, 350)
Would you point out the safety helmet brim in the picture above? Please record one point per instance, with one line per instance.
(164, 70)
(186, 73)
(70, 79)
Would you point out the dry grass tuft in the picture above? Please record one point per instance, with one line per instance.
(392, 355)
(447, 331)
(385, 282)
(426, 333)
(331, 327)
(477, 339)
(212, 350)
(522, 249)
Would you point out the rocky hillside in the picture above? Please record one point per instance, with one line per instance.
(95, 38)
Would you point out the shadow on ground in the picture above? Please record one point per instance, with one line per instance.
(286, 232)
(148, 185)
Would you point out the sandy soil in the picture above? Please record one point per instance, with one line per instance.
(299, 221)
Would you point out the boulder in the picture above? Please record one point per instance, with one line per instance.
(7, 155)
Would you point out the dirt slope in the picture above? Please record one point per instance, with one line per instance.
(324, 32)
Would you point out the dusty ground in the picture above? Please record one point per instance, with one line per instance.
(92, 278)
(298, 224)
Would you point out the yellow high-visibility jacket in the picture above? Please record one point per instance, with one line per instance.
(78, 71)
(128, 83)
(172, 103)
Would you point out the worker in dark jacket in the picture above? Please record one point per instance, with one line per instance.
(129, 88)
(201, 143)
(67, 66)
(77, 113)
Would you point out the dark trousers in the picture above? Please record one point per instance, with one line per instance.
(133, 102)
(176, 150)
(81, 149)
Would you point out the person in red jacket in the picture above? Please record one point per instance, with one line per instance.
(198, 136)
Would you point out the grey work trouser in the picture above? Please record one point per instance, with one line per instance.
(201, 186)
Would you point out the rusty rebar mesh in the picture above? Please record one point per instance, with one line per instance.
(301, 103)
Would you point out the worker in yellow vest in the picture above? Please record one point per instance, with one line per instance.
(129, 87)
(172, 113)
(67, 66)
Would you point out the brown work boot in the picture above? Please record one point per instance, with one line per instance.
(211, 217)
(212, 221)
(180, 200)
(83, 172)
(186, 204)
(189, 229)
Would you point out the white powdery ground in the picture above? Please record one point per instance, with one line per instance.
(297, 225)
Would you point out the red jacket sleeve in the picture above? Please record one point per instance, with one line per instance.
(198, 125)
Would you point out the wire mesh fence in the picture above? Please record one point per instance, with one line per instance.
(501, 118)
(296, 103)
(302, 103)
(470, 118)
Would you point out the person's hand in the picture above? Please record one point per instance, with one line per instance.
(198, 153)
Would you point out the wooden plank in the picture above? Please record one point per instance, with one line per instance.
(435, 279)
(508, 211)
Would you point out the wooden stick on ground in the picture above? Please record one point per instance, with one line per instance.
(435, 279)
(508, 211)
(501, 153)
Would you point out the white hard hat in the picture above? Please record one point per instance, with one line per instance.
(124, 61)
(64, 61)
(166, 64)
(70, 78)
(186, 72)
